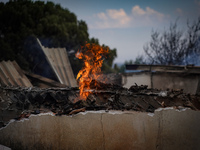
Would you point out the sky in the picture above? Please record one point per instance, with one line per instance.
(127, 24)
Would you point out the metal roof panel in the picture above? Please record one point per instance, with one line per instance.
(11, 75)
(59, 62)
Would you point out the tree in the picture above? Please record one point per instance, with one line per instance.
(173, 46)
(53, 25)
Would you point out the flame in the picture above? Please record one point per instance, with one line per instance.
(92, 56)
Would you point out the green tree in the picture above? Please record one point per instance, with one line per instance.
(53, 25)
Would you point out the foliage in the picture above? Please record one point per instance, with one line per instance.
(173, 46)
(52, 24)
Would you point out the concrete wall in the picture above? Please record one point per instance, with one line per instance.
(188, 82)
(130, 79)
(165, 130)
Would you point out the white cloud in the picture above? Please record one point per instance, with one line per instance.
(137, 10)
(146, 17)
(102, 16)
(148, 12)
(114, 18)
(119, 15)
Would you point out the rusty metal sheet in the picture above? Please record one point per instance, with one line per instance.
(12, 75)
(59, 62)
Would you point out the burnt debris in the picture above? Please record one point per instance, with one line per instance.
(19, 102)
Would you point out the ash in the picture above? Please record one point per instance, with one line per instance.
(18, 102)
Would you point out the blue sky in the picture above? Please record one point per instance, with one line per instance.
(127, 24)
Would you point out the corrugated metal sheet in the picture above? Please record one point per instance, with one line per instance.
(12, 75)
(58, 59)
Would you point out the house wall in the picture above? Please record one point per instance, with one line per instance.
(164, 130)
(163, 80)
(187, 82)
(130, 79)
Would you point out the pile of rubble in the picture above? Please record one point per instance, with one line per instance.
(19, 102)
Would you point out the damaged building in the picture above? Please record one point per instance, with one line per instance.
(37, 112)
(164, 77)
(112, 117)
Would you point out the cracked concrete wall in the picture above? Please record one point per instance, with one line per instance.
(164, 130)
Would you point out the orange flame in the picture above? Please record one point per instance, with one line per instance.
(92, 57)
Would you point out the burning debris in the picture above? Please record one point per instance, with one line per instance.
(93, 94)
(92, 56)
(20, 102)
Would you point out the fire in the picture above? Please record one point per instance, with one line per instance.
(92, 56)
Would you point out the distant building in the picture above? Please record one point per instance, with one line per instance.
(163, 77)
